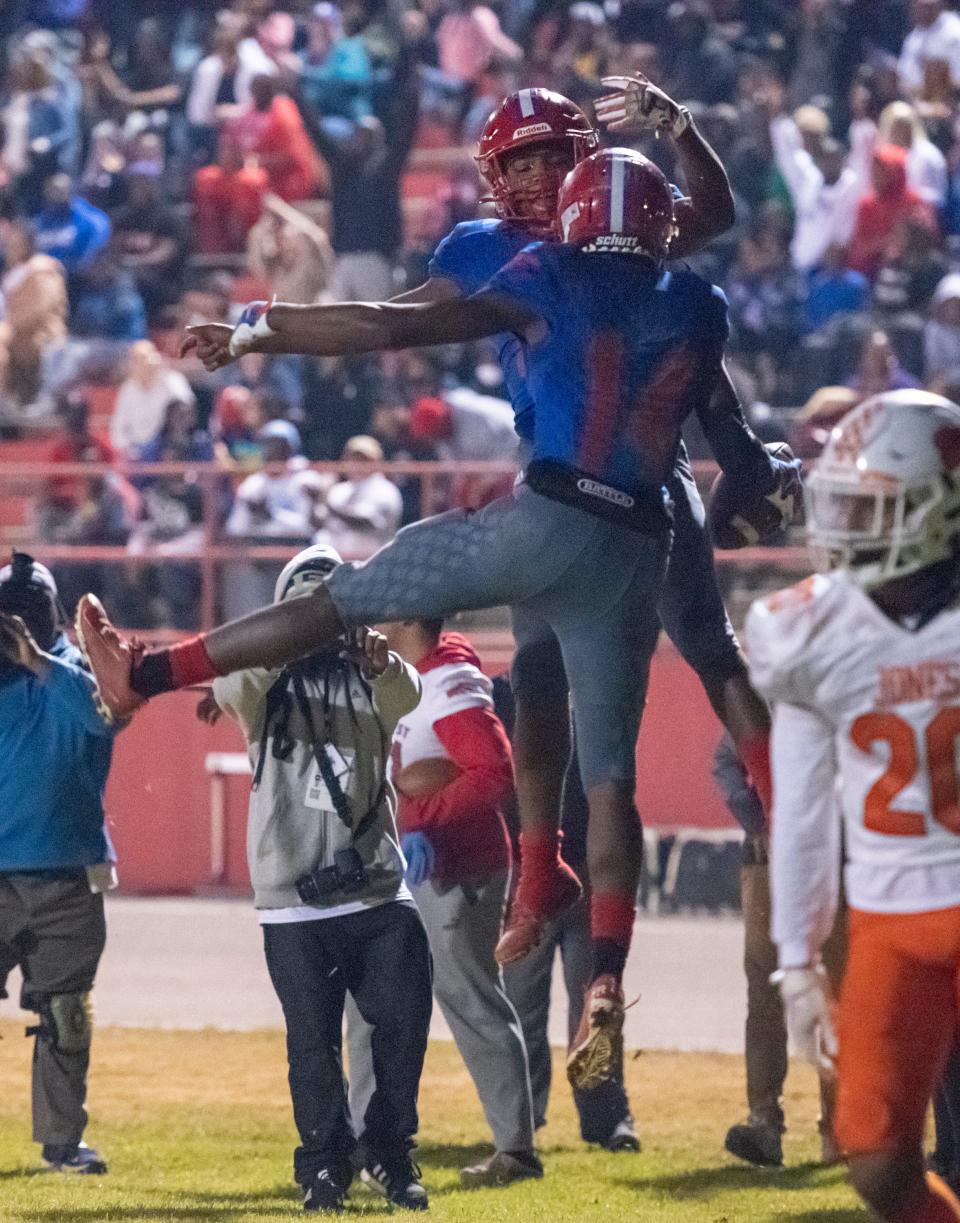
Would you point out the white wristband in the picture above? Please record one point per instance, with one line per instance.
(252, 326)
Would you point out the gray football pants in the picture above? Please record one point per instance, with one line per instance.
(594, 583)
(463, 926)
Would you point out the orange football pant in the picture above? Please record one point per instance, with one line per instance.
(898, 1020)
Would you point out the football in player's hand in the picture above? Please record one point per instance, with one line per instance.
(425, 777)
(743, 514)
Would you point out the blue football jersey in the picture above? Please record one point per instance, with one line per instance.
(628, 352)
(472, 253)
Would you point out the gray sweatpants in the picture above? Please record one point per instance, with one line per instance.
(596, 585)
(463, 926)
(54, 929)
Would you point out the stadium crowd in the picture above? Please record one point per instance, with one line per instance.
(157, 168)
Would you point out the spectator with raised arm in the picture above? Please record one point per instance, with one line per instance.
(366, 161)
(825, 185)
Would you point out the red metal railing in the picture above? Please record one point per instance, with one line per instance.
(30, 478)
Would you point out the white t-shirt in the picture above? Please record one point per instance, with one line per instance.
(280, 917)
(252, 61)
(376, 500)
(867, 714)
(938, 41)
(825, 213)
(138, 413)
(288, 505)
(447, 689)
(483, 426)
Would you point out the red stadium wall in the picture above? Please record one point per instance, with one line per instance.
(158, 799)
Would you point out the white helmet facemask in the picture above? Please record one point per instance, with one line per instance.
(884, 499)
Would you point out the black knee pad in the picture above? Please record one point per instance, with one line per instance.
(66, 1020)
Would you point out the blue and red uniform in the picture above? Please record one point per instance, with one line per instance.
(629, 351)
(691, 609)
(626, 352)
(471, 255)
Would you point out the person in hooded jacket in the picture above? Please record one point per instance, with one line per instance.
(452, 767)
(884, 211)
(327, 874)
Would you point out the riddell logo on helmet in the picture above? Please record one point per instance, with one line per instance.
(532, 129)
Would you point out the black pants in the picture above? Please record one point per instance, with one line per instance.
(53, 927)
(382, 958)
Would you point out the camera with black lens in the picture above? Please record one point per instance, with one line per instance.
(347, 874)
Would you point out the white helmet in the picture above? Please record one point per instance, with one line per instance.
(304, 573)
(884, 498)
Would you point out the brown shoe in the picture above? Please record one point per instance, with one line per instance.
(596, 1052)
(111, 658)
(525, 926)
(502, 1168)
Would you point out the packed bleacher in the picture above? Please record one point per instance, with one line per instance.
(164, 164)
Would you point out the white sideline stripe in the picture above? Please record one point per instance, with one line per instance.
(616, 196)
(526, 103)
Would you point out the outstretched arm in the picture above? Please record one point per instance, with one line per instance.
(708, 210)
(735, 446)
(331, 331)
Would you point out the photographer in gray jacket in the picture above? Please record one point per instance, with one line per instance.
(327, 875)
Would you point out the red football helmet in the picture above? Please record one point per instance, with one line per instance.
(617, 200)
(530, 116)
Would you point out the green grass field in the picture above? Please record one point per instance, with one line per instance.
(197, 1126)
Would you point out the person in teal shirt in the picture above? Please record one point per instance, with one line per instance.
(336, 78)
(56, 858)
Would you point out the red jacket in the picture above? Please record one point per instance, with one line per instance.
(455, 718)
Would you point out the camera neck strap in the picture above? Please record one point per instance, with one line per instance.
(341, 803)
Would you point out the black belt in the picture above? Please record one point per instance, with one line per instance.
(48, 874)
(648, 510)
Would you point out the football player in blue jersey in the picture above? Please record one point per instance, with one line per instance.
(526, 147)
(617, 352)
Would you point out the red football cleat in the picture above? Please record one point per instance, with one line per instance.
(111, 658)
(526, 924)
(596, 1052)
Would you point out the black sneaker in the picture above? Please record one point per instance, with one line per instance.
(323, 1193)
(623, 1138)
(398, 1180)
(75, 1157)
(756, 1142)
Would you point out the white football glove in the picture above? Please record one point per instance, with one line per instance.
(636, 105)
(251, 327)
(808, 1006)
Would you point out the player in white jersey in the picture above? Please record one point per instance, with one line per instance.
(862, 666)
